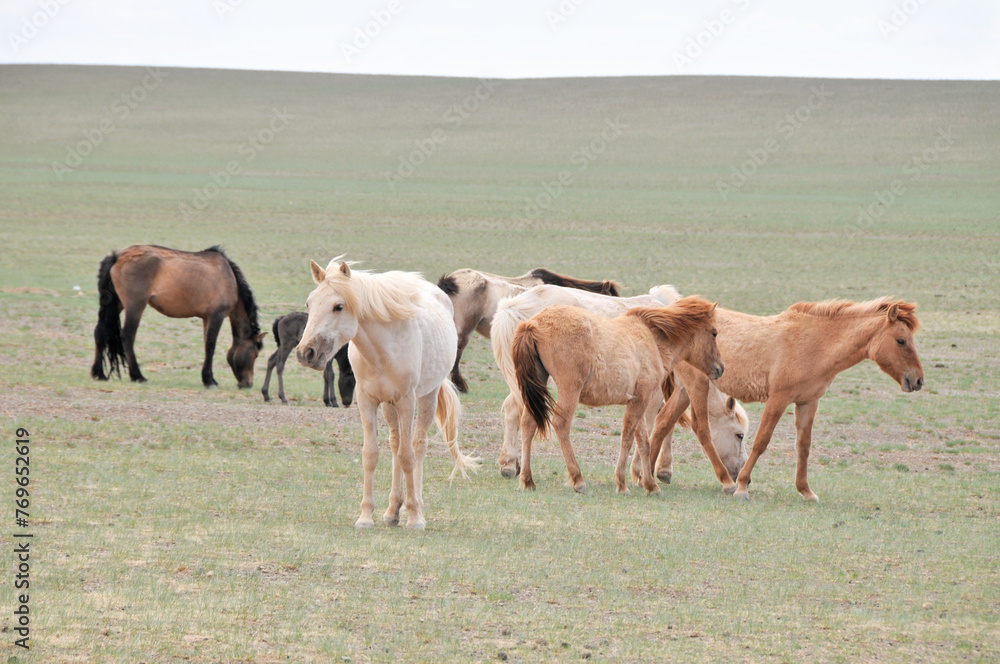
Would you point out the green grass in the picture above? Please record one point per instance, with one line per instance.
(177, 523)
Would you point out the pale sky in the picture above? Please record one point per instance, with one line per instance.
(913, 39)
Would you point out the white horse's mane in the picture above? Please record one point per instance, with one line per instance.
(385, 296)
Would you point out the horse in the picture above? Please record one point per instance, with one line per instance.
(287, 331)
(792, 358)
(728, 425)
(601, 361)
(403, 341)
(179, 284)
(475, 295)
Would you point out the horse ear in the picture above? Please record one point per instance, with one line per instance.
(345, 268)
(893, 313)
(714, 306)
(319, 274)
(730, 405)
(260, 336)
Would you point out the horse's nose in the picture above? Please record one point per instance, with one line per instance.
(307, 355)
(719, 369)
(919, 384)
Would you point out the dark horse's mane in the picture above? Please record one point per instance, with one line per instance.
(448, 284)
(245, 294)
(550, 277)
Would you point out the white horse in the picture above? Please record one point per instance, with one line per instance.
(403, 344)
(727, 417)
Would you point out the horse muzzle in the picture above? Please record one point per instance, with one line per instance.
(310, 357)
(912, 383)
(720, 368)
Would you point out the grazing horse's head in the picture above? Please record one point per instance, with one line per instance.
(892, 346)
(332, 318)
(699, 323)
(241, 357)
(728, 422)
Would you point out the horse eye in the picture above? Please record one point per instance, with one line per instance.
(338, 307)
(715, 334)
(740, 436)
(901, 342)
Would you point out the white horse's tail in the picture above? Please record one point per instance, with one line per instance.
(505, 322)
(446, 417)
(666, 294)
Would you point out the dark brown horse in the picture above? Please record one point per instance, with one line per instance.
(178, 284)
(475, 296)
(287, 331)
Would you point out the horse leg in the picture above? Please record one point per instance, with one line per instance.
(528, 431)
(456, 372)
(407, 462)
(804, 414)
(655, 404)
(133, 314)
(282, 357)
(512, 408)
(368, 409)
(773, 410)
(562, 421)
(426, 408)
(347, 381)
(661, 438)
(633, 415)
(329, 397)
(698, 393)
(391, 515)
(212, 326)
(271, 363)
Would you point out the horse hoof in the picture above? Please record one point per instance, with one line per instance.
(390, 520)
(742, 495)
(664, 476)
(582, 488)
(509, 471)
(622, 490)
(416, 525)
(655, 489)
(810, 497)
(364, 524)
(730, 489)
(140, 379)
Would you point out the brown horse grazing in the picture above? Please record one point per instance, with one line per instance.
(178, 284)
(792, 358)
(598, 361)
(475, 295)
(287, 332)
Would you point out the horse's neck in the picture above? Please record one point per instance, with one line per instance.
(847, 341)
(373, 341)
(239, 320)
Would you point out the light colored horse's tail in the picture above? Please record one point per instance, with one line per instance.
(446, 417)
(532, 378)
(505, 322)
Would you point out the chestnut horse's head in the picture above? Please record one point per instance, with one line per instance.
(689, 324)
(332, 318)
(242, 355)
(892, 346)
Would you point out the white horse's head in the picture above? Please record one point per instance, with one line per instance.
(728, 422)
(333, 319)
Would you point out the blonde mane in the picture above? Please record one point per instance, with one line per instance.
(384, 297)
(846, 308)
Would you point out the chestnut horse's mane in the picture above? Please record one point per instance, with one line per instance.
(681, 319)
(845, 308)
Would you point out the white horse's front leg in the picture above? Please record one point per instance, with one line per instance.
(391, 515)
(512, 409)
(407, 462)
(368, 408)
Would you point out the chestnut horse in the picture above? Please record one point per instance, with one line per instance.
(728, 430)
(601, 361)
(792, 358)
(403, 341)
(474, 296)
(178, 284)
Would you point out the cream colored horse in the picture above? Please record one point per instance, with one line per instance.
(403, 341)
(729, 426)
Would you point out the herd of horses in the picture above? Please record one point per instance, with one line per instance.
(398, 341)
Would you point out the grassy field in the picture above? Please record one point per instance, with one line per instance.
(174, 523)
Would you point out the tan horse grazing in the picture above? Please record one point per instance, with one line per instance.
(598, 361)
(792, 358)
(475, 295)
(179, 284)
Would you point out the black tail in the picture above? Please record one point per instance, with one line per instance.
(274, 331)
(549, 277)
(448, 284)
(532, 377)
(108, 332)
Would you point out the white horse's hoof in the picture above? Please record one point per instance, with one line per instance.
(416, 525)
(364, 524)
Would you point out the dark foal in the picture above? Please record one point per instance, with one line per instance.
(287, 334)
